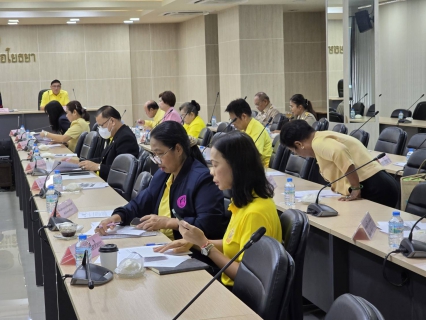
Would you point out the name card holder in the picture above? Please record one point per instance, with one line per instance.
(95, 243)
(385, 161)
(41, 164)
(21, 145)
(366, 228)
(13, 132)
(65, 209)
(38, 184)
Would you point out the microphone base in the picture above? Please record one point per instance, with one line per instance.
(99, 275)
(39, 172)
(54, 221)
(42, 193)
(404, 121)
(321, 210)
(413, 248)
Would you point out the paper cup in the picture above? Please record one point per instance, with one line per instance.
(108, 255)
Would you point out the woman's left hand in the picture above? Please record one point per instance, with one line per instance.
(88, 165)
(355, 195)
(192, 234)
(153, 222)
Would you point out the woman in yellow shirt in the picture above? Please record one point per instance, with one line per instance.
(193, 124)
(251, 205)
(338, 154)
(79, 118)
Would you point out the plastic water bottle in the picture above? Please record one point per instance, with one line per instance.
(81, 246)
(31, 142)
(409, 153)
(22, 129)
(36, 154)
(148, 136)
(51, 199)
(137, 133)
(289, 193)
(396, 228)
(214, 123)
(352, 113)
(57, 181)
(26, 135)
(400, 116)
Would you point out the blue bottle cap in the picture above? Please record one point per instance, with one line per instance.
(82, 237)
(289, 180)
(51, 187)
(57, 172)
(396, 213)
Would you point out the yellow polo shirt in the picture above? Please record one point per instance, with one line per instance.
(336, 152)
(48, 96)
(244, 222)
(264, 143)
(157, 118)
(194, 128)
(164, 208)
(77, 127)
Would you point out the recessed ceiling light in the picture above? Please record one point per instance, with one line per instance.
(13, 20)
(12, 23)
(134, 19)
(71, 22)
(128, 21)
(74, 19)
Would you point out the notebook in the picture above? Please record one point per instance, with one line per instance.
(187, 265)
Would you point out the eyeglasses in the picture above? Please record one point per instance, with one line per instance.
(102, 125)
(56, 86)
(156, 158)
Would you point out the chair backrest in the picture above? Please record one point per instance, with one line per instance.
(216, 136)
(359, 108)
(204, 137)
(80, 142)
(391, 140)
(297, 166)
(254, 113)
(416, 203)
(414, 163)
(420, 111)
(350, 307)
(320, 125)
(341, 128)
(40, 96)
(226, 201)
(278, 122)
(95, 127)
(281, 158)
(144, 163)
(313, 172)
(405, 112)
(89, 145)
(362, 136)
(295, 230)
(222, 127)
(141, 149)
(264, 278)
(275, 145)
(142, 182)
(335, 117)
(371, 111)
(122, 174)
(418, 141)
(340, 88)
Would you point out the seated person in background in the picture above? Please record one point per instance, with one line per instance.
(153, 111)
(167, 102)
(302, 109)
(55, 93)
(338, 154)
(183, 184)
(122, 141)
(193, 124)
(251, 205)
(79, 118)
(241, 110)
(57, 117)
(265, 107)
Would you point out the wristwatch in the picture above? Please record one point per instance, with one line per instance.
(205, 250)
(99, 167)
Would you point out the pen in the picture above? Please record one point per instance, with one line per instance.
(110, 224)
(155, 244)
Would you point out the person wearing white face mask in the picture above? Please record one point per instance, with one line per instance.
(120, 140)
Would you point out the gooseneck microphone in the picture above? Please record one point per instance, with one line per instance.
(404, 120)
(214, 107)
(254, 238)
(42, 193)
(322, 210)
(266, 125)
(162, 119)
(413, 248)
(229, 124)
(86, 264)
(416, 101)
(350, 107)
(375, 114)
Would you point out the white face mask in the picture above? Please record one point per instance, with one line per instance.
(104, 132)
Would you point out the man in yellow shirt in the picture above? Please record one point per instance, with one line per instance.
(154, 112)
(55, 93)
(240, 110)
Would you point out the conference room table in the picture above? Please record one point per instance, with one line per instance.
(149, 297)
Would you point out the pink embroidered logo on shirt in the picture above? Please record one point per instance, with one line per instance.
(181, 201)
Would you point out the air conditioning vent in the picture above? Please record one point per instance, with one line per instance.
(183, 13)
(217, 2)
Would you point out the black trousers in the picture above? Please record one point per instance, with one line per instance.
(381, 188)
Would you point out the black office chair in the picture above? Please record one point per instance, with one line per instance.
(90, 144)
(350, 307)
(141, 149)
(362, 136)
(371, 111)
(420, 111)
(391, 140)
(95, 127)
(278, 122)
(335, 117)
(142, 182)
(320, 125)
(254, 113)
(359, 108)
(406, 113)
(204, 137)
(415, 162)
(80, 142)
(275, 145)
(40, 96)
(341, 128)
(281, 158)
(416, 203)
(340, 88)
(418, 141)
(227, 201)
(295, 230)
(144, 163)
(313, 171)
(122, 174)
(297, 166)
(264, 278)
(223, 127)
(216, 136)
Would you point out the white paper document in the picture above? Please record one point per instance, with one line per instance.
(121, 232)
(324, 193)
(65, 155)
(274, 173)
(94, 185)
(95, 214)
(400, 164)
(384, 227)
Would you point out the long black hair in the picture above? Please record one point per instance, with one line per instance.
(54, 109)
(171, 133)
(249, 178)
(300, 100)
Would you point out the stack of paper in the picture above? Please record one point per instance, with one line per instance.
(121, 232)
(324, 193)
(95, 214)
